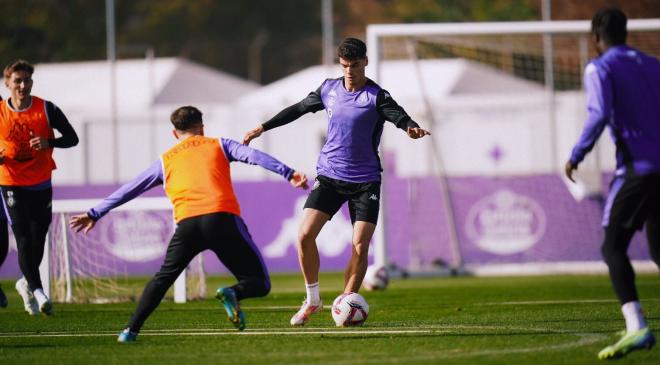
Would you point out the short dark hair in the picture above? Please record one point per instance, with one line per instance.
(186, 117)
(18, 65)
(610, 25)
(352, 49)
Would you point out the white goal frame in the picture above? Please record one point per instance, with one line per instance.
(375, 33)
(83, 205)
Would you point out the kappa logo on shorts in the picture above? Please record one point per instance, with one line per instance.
(373, 197)
(316, 184)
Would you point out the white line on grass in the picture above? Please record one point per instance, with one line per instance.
(567, 301)
(195, 332)
(521, 302)
(294, 331)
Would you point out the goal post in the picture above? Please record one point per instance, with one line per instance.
(542, 63)
(98, 266)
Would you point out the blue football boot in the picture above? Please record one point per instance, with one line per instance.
(228, 298)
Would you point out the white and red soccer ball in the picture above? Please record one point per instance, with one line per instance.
(376, 278)
(350, 309)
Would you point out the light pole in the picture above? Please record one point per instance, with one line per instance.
(328, 32)
(112, 58)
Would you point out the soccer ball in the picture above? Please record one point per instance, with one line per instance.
(376, 278)
(350, 309)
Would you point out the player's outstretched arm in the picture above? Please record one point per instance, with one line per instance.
(149, 178)
(311, 104)
(81, 222)
(299, 180)
(416, 132)
(239, 152)
(393, 112)
(252, 134)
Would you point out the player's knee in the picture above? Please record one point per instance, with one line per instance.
(305, 238)
(262, 287)
(361, 248)
(610, 250)
(611, 253)
(606, 252)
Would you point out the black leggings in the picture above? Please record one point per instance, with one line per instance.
(30, 213)
(615, 253)
(635, 203)
(227, 236)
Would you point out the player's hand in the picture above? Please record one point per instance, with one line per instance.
(81, 222)
(415, 133)
(299, 180)
(569, 168)
(38, 143)
(2, 156)
(250, 135)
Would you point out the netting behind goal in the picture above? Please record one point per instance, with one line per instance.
(505, 104)
(112, 262)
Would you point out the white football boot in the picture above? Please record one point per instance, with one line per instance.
(30, 303)
(306, 311)
(43, 302)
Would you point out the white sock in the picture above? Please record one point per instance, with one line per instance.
(632, 312)
(39, 295)
(313, 296)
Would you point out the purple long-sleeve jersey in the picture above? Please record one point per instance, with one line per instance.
(355, 126)
(153, 175)
(623, 93)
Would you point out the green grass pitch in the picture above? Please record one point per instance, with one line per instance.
(463, 320)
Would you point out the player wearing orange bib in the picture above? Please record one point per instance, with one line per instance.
(27, 140)
(196, 177)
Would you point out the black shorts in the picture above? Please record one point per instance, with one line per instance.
(631, 200)
(27, 206)
(328, 195)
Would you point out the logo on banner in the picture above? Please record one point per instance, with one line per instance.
(505, 223)
(137, 236)
(335, 237)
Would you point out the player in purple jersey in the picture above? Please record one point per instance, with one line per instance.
(623, 93)
(348, 167)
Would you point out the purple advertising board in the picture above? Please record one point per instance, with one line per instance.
(497, 220)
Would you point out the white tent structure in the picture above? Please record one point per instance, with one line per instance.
(147, 90)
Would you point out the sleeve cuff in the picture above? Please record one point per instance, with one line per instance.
(93, 215)
(267, 126)
(289, 174)
(410, 124)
